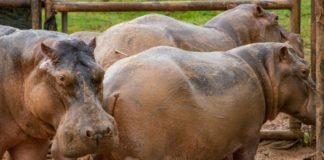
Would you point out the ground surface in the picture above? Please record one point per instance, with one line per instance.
(296, 153)
(267, 150)
(299, 151)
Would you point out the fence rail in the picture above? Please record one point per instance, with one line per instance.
(15, 3)
(159, 6)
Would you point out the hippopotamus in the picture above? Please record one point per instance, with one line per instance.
(175, 104)
(51, 85)
(86, 36)
(244, 24)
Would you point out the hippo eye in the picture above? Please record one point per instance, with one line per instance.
(304, 73)
(61, 78)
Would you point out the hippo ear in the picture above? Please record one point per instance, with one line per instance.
(284, 54)
(283, 33)
(92, 44)
(258, 11)
(49, 52)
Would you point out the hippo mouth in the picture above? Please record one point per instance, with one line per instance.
(73, 146)
(309, 104)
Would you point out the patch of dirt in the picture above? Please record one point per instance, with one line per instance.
(295, 153)
(266, 150)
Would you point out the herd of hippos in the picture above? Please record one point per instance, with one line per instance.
(151, 88)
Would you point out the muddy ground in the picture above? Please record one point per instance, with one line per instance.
(299, 151)
(268, 150)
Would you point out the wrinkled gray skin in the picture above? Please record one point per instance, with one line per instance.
(244, 24)
(174, 104)
(85, 36)
(50, 84)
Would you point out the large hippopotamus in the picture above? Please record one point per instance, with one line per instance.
(244, 24)
(51, 84)
(175, 104)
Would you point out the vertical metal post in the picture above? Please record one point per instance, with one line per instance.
(36, 9)
(319, 20)
(64, 22)
(294, 124)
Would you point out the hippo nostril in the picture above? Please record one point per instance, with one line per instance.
(108, 130)
(89, 133)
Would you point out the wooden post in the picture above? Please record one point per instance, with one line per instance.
(313, 58)
(48, 8)
(36, 9)
(295, 16)
(294, 124)
(50, 21)
(64, 22)
(319, 20)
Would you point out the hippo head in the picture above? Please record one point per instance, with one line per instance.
(65, 93)
(248, 23)
(296, 90)
(292, 88)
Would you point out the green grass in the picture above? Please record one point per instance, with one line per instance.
(101, 21)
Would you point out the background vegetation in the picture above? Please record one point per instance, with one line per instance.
(101, 21)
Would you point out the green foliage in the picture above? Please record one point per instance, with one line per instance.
(307, 139)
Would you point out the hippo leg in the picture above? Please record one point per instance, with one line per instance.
(2, 154)
(248, 151)
(31, 149)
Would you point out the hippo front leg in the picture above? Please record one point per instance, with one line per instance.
(31, 149)
(247, 152)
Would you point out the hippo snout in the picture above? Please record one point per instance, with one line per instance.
(91, 133)
(97, 134)
(94, 132)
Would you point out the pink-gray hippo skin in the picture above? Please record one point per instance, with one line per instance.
(51, 84)
(85, 36)
(175, 104)
(244, 24)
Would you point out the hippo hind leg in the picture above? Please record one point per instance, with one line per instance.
(32, 149)
(247, 152)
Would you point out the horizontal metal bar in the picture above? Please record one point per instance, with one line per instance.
(14, 3)
(161, 6)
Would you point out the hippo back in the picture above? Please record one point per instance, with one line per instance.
(5, 30)
(86, 36)
(155, 30)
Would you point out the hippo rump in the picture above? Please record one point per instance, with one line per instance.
(174, 104)
(244, 24)
(86, 36)
(51, 84)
